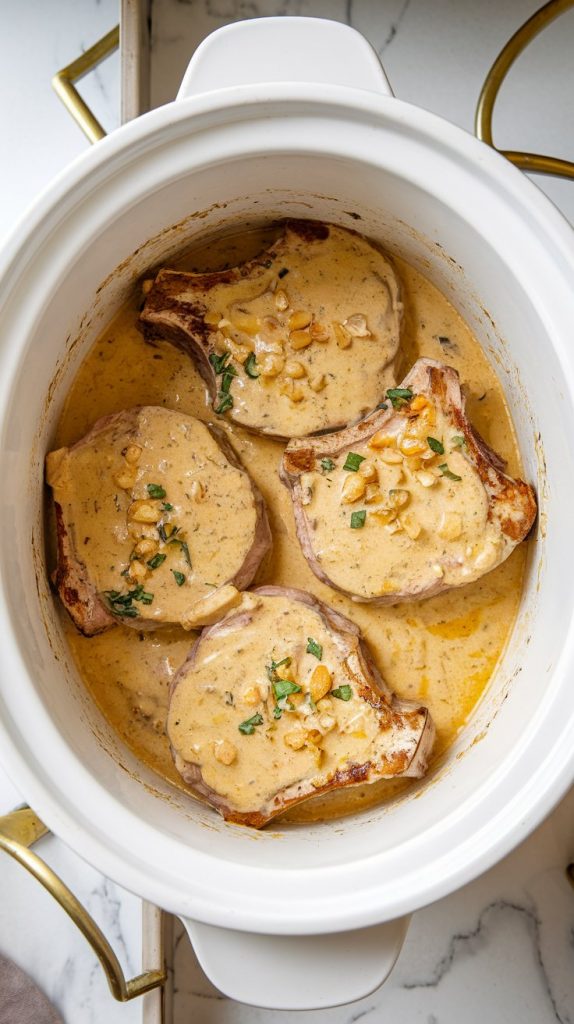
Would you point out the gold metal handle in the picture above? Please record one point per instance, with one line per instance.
(533, 162)
(18, 831)
(64, 83)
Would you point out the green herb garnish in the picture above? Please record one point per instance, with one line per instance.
(219, 362)
(272, 668)
(224, 402)
(248, 727)
(436, 446)
(155, 562)
(166, 507)
(249, 366)
(284, 687)
(458, 441)
(327, 465)
(155, 491)
(314, 648)
(342, 692)
(179, 577)
(122, 604)
(185, 551)
(277, 712)
(448, 472)
(358, 519)
(399, 396)
(227, 379)
(353, 461)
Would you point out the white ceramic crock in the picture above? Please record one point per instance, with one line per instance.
(276, 118)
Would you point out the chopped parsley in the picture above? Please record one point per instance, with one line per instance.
(458, 441)
(156, 561)
(327, 465)
(277, 712)
(248, 727)
(272, 668)
(342, 692)
(399, 396)
(219, 362)
(155, 491)
(227, 379)
(314, 648)
(224, 402)
(122, 604)
(448, 472)
(436, 446)
(353, 461)
(249, 366)
(166, 507)
(178, 577)
(284, 688)
(358, 519)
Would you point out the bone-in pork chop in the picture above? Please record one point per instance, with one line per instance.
(300, 340)
(410, 501)
(158, 522)
(281, 701)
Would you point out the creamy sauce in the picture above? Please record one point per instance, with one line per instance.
(263, 735)
(397, 524)
(441, 652)
(312, 331)
(151, 499)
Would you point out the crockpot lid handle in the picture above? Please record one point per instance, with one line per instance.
(264, 50)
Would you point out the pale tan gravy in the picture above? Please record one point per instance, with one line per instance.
(442, 531)
(202, 496)
(442, 651)
(293, 745)
(322, 340)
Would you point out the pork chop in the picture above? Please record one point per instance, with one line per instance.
(410, 501)
(281, 701)
(157, 521)
(302, 339)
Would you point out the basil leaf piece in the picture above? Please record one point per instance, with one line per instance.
(248, 726)
(224, 402)
(155, 491)
(399, 396)
(277, 712)
(178, 577)
(448, 472)
(166, 507)
(342, 692)
(353, 461)
(227, 380)
(314, 648)
(436, 446)
(219, 362)
(284, 687)
(327, 465)
(358, 519)
(249, 366)
(156, 561)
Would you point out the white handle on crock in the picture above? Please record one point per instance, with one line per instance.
(284, 50)
(274, 971)
(298, 972)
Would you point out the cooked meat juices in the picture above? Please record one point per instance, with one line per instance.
(157, 522)
(440, 653)
(281, 701)
(410, 501)
(303, 338)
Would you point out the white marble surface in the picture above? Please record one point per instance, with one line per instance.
(501, 949)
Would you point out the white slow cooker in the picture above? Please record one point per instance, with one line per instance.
(275, 118)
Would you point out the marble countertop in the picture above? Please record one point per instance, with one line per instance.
(502, 948)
